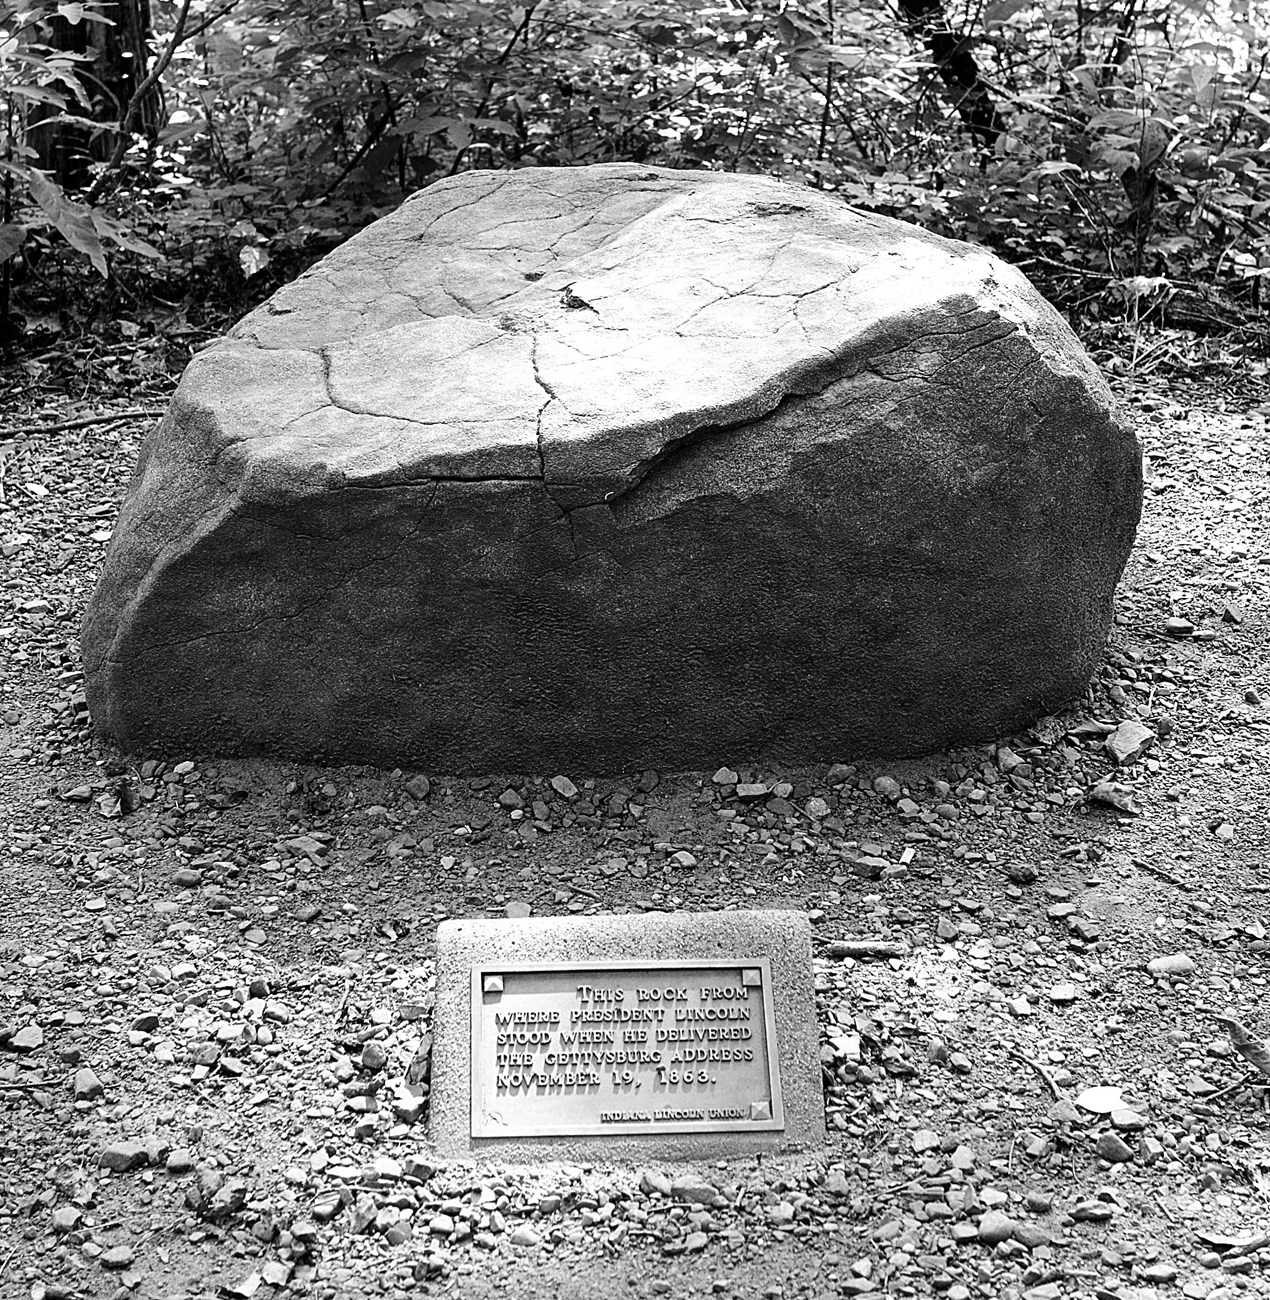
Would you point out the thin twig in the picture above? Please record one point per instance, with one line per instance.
(1064, 266)
(828, 91)
(837, 949)
(1040, 1069)
(521, 29)
(339, 1011)
(84, 423)
(1234, 1087)
(192, 32)
(148, 83)
(1162, 874)
(372, 138)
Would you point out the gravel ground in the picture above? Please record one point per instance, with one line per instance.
(215, 976)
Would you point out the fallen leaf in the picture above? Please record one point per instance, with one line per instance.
(1101, 1101)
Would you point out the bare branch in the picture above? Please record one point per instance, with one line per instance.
(112, 417)
(105, 178)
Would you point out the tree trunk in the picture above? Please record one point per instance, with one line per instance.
(119, 55)
(954, 59)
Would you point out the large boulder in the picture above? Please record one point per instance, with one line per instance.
(616, 466)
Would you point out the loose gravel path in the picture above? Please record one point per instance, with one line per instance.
(215, 976)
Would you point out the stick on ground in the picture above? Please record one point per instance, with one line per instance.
(1040, 1069)
(1248, 1078)
(62, 425)
(837, 949)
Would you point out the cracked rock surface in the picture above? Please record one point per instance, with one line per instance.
(614, 465)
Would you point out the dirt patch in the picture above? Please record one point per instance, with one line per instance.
(220, 942)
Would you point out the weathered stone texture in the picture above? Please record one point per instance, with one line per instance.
(615, 465)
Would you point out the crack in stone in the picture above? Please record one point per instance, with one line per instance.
(537, 219)
(551, 397)
(675, 448)
(832, 367)
(727, 296)
(327, 357)
(1008, 391)
(839, 367)
(484, 191)
(457, 297)
(405, 482)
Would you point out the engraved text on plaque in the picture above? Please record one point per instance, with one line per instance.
(625, 1048)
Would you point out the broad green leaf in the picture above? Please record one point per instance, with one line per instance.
(1154, 141)
(11, 237)
(73, 220)
(1118, 160)
(175, 131)
(405, 61)
(76, 12)
(37, 95)
(399, 18)
(76, 119)
(253, 259)
(1000, 11)
(1086, 80)
(123, 235)
(425, 126)
(1114, 117)
(1201, 74)
(1143, 286)
(380, 156)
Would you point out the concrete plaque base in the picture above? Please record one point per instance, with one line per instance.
(670, 1035)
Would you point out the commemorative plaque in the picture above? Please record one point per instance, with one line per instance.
(671, 1035)
(624, 1048)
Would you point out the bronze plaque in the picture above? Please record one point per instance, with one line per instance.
(630, 1047)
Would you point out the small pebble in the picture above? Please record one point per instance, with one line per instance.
(123, 1156)
(995, 1227)
(117, 1257)
(88, 1087)
(1113, 1148)
(1177, 964)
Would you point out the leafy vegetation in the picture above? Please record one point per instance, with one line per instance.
(192, 154)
